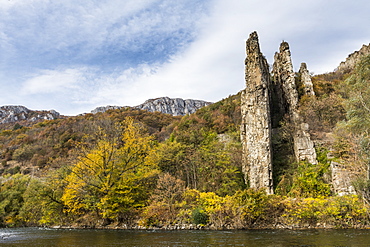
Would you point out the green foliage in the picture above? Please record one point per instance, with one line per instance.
(308, 181)
(358, 102)
(199, 216)
(11, 198)
(210, 165)
(352, 135)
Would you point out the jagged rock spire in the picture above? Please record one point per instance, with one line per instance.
(256, 122)
(264, 104)
(306, 80)
(284, 80)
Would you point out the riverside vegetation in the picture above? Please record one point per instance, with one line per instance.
(130, 168)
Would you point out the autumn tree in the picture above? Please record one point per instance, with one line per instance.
(353, 135)
(12, 189)
(111, 177)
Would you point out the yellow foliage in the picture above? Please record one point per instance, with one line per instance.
(111, 177)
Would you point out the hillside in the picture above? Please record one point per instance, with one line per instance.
(126, 167)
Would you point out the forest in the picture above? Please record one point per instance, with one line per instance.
(130, 168)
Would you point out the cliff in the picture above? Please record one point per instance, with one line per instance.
(175, 107)
(256, 121)
(11, 114)
(284, 79)
(352, 59)
(265, 104)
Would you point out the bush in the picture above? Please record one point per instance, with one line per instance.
(200, 217)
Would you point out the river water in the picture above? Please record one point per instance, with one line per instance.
(256, 238)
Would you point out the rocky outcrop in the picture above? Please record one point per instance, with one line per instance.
(11, 114)
(284, 79)
(306, 80)
(175, 107)
(256, 121)
(105, 108)
(342, 178)
(352, 59)
(265, 104)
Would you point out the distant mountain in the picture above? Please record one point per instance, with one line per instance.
(13, 113)
(173, 106)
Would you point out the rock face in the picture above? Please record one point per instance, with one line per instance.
(284, 78)
(175, 107)
(342, 179)
(256, 121)
(352, 59)
(105, 108)
(265, 103)
(11, 114)
(306, 80)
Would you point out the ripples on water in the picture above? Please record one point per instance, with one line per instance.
(259, 238)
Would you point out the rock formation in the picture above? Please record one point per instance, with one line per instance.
(265, 103)
(175, 107)
(105, 108)
(284, 78)
(342, 178)
(306, 80)
(11, 114)
(256, 121)
(352, 59)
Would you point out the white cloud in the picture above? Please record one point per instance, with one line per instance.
(53, 81)
(124, 52)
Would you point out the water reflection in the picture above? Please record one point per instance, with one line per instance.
(73, 237)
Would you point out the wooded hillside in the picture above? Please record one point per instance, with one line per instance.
(130, 167)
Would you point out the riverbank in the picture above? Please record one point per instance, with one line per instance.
(212, 227)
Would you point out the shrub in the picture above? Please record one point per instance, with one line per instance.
(200, 217)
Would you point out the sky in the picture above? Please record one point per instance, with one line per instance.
(73, 56)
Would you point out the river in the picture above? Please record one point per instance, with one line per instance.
(259, 238)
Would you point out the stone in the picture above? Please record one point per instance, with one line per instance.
(342, 179)
(284, 83)
(306, 80)
(352, 59)
(256, 122)
(264, 104)
(16, 113)
(175, 107)
(105, 108)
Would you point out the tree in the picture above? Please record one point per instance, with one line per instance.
(357, 104)
(110, 178)
(12, 189)
(42, 199)
(353, 135)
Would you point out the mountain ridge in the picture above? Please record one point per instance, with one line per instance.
(172, 106)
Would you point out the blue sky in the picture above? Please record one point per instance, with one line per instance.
(72, 56)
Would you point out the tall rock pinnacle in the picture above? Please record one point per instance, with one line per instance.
(306, 80)
(256, 123)
(265, 103)
(284, 78)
